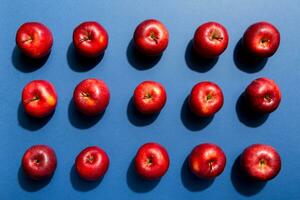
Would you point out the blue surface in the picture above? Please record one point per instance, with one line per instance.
(119, 131)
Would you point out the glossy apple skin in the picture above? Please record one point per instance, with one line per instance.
(151, 37)
(263, 95)
(210, 40)
(206, 99)
(207, 161)
(34, 39)
(91, 97)
(151, 161)
(39, 98)
(92, 163)
(39, 162)
(261, 39)
(149, 97)
(90, 39)
(260, 162)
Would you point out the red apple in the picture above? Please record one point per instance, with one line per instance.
(263, 95)
(206, 99)
(34, 39)
(151, 37)
(261, 39)
(260, 162)
(91, 97)
(207, 161)
(39, 162)
(39, 98)
(90, 39)
(210, 40)
(151, 161)
(149, 97)
(92, 163)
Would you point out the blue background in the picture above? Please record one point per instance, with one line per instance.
(120, 131)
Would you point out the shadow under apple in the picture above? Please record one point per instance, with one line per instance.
(138, 60)
(138, 119)
(136, 183)
(28, 184)
(25, 64)
(79, 63)
(245, 61)
(31, 123)
(248, 116)
(190, 181)
(81, 121)
(196, 62)
(242, 183)
(80, 184)
(190, 120)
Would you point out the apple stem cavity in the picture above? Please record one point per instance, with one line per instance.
(87, 37)
(154, 37)
(150, 161)
(35, 98)
(262, 163)
(36, 161)
(210, 164)
(264, 42)
(268, 98)
(29, 39)
(85, 94)
(208, 97)
(91, 159)
(148, 95)
(216, 35)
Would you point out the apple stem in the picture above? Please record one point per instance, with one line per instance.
(216, 35)
(262, 163)
(268, 98)
(84, 94)
(29, 39)
(154, 37)
(90, 158)
(36, 161)
(264, 42)
(148, 95)
(87, 36)
(149, 160)
(35, 98)
(208, 97)
(210, 165)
